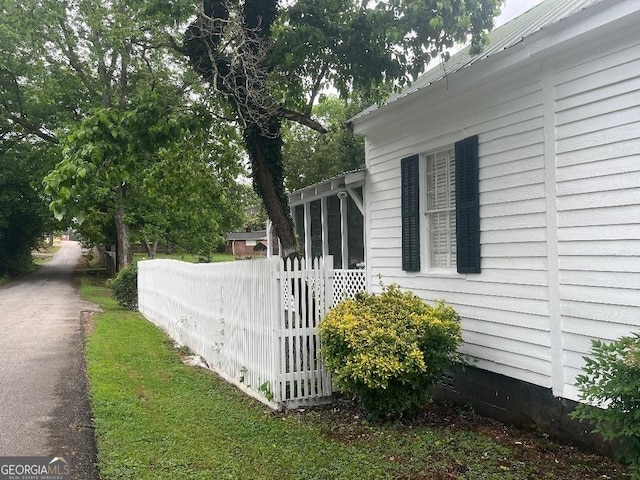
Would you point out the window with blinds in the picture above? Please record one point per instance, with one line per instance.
(445, 186)
(441, 208)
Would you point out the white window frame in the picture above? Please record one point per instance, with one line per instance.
(428, 213)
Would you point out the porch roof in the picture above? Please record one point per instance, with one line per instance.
(331, 186)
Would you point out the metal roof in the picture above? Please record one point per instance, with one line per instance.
(327, 186)
(255, 235)
(506, 36)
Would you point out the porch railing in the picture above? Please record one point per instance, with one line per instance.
(254, 322)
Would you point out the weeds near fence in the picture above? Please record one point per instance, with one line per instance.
(156, 418)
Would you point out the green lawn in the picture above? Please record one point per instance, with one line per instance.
(156, 418)
(44, 254)
(186, 257)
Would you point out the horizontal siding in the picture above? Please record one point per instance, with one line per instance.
(531, 264)
(600, 161)
(610, 183)
(600, 263)
(595, 247)
(514, 235)
(623, 215)
(628, 280)
(504, 309)
(514, 365)
(626, 316)
(514, 194)
(598, 201)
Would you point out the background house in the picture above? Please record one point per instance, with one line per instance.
(247, 243)
(508, 184)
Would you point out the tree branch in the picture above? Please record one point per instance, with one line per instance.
(301, 119)
(16, 86)
(74, 61)
(236, 54)
(316, 88)
(26, 124)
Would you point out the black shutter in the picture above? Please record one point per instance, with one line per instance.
(467, 206)
(410, 214)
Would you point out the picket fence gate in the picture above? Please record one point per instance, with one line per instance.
(254, 322)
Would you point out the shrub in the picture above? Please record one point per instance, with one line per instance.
(125, 287)
(610, 389)
(389, 349)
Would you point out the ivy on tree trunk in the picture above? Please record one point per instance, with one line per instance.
(265, 153)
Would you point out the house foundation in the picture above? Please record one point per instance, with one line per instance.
(520, 404)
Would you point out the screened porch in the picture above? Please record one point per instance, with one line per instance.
(329, 219)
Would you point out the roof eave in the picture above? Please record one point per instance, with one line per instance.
(535, 45)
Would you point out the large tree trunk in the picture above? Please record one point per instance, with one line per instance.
(124, 255)
(248, 95)
(265, 153)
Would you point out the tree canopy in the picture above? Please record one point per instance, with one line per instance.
(310, 156)
(98, 94)
(126, 102)
(271, 60)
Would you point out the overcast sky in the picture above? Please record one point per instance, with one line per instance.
(513, 8)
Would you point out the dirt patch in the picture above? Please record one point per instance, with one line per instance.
(345, 421)
(87, 321)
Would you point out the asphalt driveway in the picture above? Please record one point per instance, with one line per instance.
(44, 408)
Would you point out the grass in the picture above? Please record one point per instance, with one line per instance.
(44, 254)
(186, 257)
(157, 418)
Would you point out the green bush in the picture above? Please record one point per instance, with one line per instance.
(610, 389)
(389, 349)
(125, 287)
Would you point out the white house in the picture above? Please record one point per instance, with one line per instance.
(508, 184)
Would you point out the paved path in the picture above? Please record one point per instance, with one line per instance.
(44, 410)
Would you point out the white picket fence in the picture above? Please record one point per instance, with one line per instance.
(254, 322)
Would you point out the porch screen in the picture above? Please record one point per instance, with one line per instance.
(356, 234)
(298, 220)
(334, 230)
(316, 228)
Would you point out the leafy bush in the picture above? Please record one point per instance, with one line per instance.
(389, 349)
(610, 390)
(125, 287)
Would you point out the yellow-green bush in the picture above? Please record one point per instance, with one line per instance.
(389, 349)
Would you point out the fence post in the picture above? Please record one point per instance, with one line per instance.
(324, 376)
(328, 284)
(277, 307)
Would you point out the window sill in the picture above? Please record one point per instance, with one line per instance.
(435, 273)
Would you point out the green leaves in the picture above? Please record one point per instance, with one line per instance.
(23, 211)
(362, 44)
(610, 389)
(310, 157)
(389, 349)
